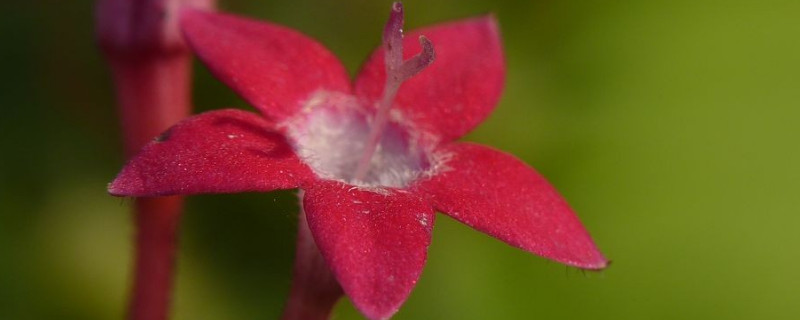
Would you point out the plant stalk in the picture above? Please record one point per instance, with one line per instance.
(151, 71)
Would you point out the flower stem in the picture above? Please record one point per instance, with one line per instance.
(152, 94)
(314, 288)
(157, 221)
(151, 69)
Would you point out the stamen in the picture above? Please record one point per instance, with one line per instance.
(418, 62)
(397, 71)
(393, 38)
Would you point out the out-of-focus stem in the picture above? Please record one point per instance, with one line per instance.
(152, 94)
(157, 222)
(314, 288)
(151, 68)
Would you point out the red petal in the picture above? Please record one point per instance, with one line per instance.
(375, 243)
(274, 68)
(500, 195)
(457, 91)
(222, 151)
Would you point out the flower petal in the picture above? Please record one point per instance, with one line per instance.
(222, 151)
(274, 68)
(375, 243)
(500, 195)
(457, 91)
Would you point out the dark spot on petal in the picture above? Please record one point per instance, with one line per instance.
(164, 136)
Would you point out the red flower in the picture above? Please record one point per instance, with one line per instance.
(372, 175)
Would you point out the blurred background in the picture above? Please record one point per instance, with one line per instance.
(670, 126)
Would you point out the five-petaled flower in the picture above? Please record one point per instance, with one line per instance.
(374, 159)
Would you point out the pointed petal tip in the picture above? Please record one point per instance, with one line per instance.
(606, 263)
(114, 190)
(597, 265)
(590, 259)
(488, 20)
(492, 24)
(489, 23)
(124, 185)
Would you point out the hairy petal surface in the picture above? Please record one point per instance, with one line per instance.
(375, 243)
(222, 151)
(274, 68)
(458, 90)
(500, 195)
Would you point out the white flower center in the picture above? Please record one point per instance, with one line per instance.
(331, 134)
(339, 141)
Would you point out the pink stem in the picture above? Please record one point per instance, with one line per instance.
(152, 95)
(314, 288)
(157, 221)
(151, 69)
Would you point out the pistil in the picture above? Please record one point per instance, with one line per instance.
(397, 71)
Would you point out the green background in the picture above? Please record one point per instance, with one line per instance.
(670, 126)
